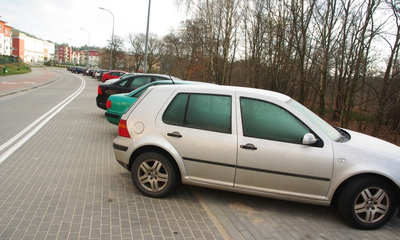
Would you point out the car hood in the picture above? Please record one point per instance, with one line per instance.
(372, 144)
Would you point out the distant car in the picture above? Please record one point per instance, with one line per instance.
(84, 71)
(89, 72)
(77, 70)
(256, 142)
(99, 74)
(95, 72)
(125, 84)
(117, 104)
(112, 74)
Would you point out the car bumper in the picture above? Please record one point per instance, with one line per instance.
(112, 118)
(122, 152)
(101, 102)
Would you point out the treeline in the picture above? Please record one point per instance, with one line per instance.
(338, 57)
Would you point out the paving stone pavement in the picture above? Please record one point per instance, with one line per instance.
(66, 184)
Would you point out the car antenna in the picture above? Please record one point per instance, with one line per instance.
(171, 78)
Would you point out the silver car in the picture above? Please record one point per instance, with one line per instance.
(256, 142)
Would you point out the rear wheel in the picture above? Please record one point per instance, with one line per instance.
(367, 203)
(154, 175)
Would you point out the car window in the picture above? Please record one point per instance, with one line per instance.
(201, 111)
(268, 121)
(123, 83)
(160, 78)
(140, 81)
(141, 91)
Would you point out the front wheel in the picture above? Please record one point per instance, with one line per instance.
(153, 175)
(367, 203)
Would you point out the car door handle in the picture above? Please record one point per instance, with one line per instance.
(248, 146)
(174, 134)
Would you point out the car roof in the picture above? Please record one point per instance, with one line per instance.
(156, 75)
(157, 83)
(116, 71)
(213, 87)
(122, 78)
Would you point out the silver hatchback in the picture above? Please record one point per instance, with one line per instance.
(256, 142)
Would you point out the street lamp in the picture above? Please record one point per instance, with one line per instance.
(112, 36)
(147, 39)
(72, 57)
(72, 40)
(87, 46)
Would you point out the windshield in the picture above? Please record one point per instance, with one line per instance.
(330, 131)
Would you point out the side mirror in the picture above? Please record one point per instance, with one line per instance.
(309, 139)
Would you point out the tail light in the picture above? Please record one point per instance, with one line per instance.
(99, 90)
(108, 104)
(123, 129)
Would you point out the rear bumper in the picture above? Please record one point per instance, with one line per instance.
(111, 115)
(112, 118)
(101, 102)
(121, 151)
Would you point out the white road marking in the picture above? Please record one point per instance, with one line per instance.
(40, 121)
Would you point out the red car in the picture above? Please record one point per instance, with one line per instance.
(112, 74)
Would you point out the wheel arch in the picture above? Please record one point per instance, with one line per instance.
(392, 184)
(151, 148)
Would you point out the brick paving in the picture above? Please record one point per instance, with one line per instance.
(64, 183)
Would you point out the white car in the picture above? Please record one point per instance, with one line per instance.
(256, 142)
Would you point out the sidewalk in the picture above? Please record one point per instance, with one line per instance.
(23, 82)
(65, 184)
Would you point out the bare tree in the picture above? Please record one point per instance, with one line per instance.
(136, 49)
(326, 18)
(219, 24)
(388, 88)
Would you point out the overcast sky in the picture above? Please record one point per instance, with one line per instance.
(61, 21)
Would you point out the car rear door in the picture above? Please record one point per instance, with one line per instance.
(200, 127)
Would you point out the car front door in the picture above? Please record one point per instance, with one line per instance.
(272, 158)
(201, 130)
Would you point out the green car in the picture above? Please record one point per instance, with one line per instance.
(117, 104)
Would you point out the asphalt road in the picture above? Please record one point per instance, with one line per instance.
(59, 180)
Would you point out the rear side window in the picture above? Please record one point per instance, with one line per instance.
(200, 111)
(140, 81)
(121, 84)
(269, 121)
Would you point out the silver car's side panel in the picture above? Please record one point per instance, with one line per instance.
(280, 167)
(284, 167)
(276, 169)
(208, 156)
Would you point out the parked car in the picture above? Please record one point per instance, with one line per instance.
(256, 142)
(77, 70)
(112, 74)
(125, 84)
(99, 74)
(117, 104)
(94, 73)
(89, 72)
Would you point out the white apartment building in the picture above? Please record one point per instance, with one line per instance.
(5, 39)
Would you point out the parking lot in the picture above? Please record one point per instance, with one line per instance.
(64, 183)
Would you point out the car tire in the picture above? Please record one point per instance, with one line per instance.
(154, 175)
(367, 203)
